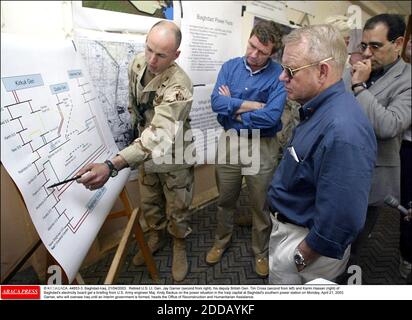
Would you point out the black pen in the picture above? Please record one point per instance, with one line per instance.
(63, 182)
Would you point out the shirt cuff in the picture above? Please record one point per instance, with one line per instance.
(234, 106)
(359, 91)
(323, 246)
(245, 119)
(133, 155)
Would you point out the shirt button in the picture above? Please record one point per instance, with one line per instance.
(245, 88)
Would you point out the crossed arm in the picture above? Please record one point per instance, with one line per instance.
(246, 105)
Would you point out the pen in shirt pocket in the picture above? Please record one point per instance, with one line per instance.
(292, 152)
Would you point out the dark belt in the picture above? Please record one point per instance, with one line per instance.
(282, 218)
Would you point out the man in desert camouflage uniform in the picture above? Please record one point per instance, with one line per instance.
(160, 99)
(290, 119)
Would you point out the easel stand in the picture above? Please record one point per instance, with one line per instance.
(132, 228)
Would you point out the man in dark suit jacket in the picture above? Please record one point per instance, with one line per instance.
(381, 83)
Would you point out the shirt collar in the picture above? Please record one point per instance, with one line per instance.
(257, 71)
(158, 79)
(310, 107)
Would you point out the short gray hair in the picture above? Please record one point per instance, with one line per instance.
(324, 41)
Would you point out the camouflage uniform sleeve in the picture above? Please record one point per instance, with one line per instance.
(132, 98)
(290, 119)
(172, 109)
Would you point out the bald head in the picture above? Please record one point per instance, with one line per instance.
(168, 29)
(162, 43)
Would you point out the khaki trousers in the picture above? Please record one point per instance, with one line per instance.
(165, 200)
(229, 183)
(285, 237)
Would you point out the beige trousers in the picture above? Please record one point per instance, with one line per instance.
(285, 237)
(165, 200)
(229, 182)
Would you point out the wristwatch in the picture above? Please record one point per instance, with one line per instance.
(360, 84)
(113, 170)
(299, 259)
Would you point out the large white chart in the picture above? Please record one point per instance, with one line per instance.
(51, 126)
(203, 122)
(211, 36)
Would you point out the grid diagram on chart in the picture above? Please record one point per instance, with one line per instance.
(51, 126)
(48, 128)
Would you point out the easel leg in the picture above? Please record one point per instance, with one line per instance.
(147, 255)
(134, 227)
(138, 232)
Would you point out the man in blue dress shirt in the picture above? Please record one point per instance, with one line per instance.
(319, 194)
(249, 100)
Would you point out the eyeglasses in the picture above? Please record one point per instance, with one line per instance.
(291, 72)
(373, 46)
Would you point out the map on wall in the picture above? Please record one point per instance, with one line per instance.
(107, 57)
(51, 126)
(157, 9)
